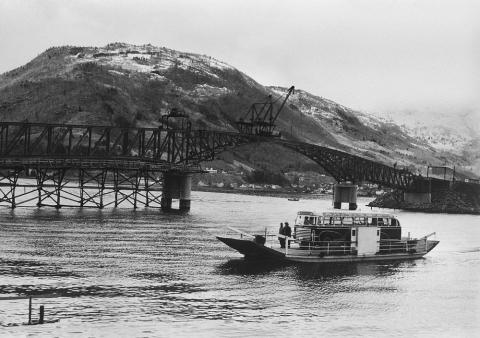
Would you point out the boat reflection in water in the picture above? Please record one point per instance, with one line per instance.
(312, 271)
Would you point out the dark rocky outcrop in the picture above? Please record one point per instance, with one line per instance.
(443, 201)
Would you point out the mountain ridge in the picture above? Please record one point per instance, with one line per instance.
(133, 85)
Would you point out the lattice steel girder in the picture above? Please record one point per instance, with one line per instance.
(206, 145)
(346, 167)
(56, 141)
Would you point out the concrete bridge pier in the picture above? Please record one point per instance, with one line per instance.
(176, 185)
(345, 192)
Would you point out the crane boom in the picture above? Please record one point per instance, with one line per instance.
(291, 90)
(260, 118)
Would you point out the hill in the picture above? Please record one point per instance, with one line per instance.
(128, 85)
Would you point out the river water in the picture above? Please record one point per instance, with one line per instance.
(143, 273)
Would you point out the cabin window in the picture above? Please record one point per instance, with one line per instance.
(359, 220)
(372, 221)
(347, 220)
(380, 222)
(394, 222)
(338, 221)
(310, 221)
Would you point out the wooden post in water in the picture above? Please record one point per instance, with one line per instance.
(42, 310)
(30, 310)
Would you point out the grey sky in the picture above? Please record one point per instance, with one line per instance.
(366, 54)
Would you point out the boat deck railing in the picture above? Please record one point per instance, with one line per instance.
(329, 247)
(322, 247)
(400, 246)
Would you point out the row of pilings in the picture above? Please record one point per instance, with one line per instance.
(85, 187)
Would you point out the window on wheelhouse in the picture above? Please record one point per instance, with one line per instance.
(384, 222)
(360, 221)
(337, 220)
(310, 220)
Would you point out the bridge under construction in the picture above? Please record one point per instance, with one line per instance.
(66, 165)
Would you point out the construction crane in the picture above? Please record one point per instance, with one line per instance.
(260, 117)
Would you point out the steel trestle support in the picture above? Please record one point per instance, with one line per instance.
(59, 187)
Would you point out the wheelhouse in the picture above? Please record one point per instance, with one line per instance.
(307, 218)
(311, 228)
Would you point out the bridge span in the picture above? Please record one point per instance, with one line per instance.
(98, 166)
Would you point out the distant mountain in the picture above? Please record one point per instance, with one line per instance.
(129, 85)
(450, 129)
(401, 137)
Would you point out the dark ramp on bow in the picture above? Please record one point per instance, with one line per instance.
(250, 249)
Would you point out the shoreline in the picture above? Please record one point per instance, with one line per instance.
(447, 202)
(262, 192)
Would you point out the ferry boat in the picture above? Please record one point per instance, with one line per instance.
(334, 237)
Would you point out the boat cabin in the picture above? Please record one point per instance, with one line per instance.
(363, 231)
(307, 218)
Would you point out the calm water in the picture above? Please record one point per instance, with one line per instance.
(143, 273)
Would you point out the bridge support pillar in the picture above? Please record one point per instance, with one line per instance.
(176, 186)
(344, 192)
(417, 197)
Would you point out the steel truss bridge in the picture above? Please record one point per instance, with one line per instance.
(98, 166)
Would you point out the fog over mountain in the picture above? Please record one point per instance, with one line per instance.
(133, 85)
(448, 128)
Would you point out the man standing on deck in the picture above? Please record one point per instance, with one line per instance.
(287, 231)
(281, 239)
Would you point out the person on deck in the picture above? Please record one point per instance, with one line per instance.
(281, 239)
(287, 231)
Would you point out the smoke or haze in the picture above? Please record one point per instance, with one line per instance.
(366, 54)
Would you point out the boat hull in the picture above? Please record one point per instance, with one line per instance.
(252, 250)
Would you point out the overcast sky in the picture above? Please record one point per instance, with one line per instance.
(365, 54)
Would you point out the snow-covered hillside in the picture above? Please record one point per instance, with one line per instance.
(446, 130)
(150, 59)
(455, 136)
(130, 85)
(364, 133)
